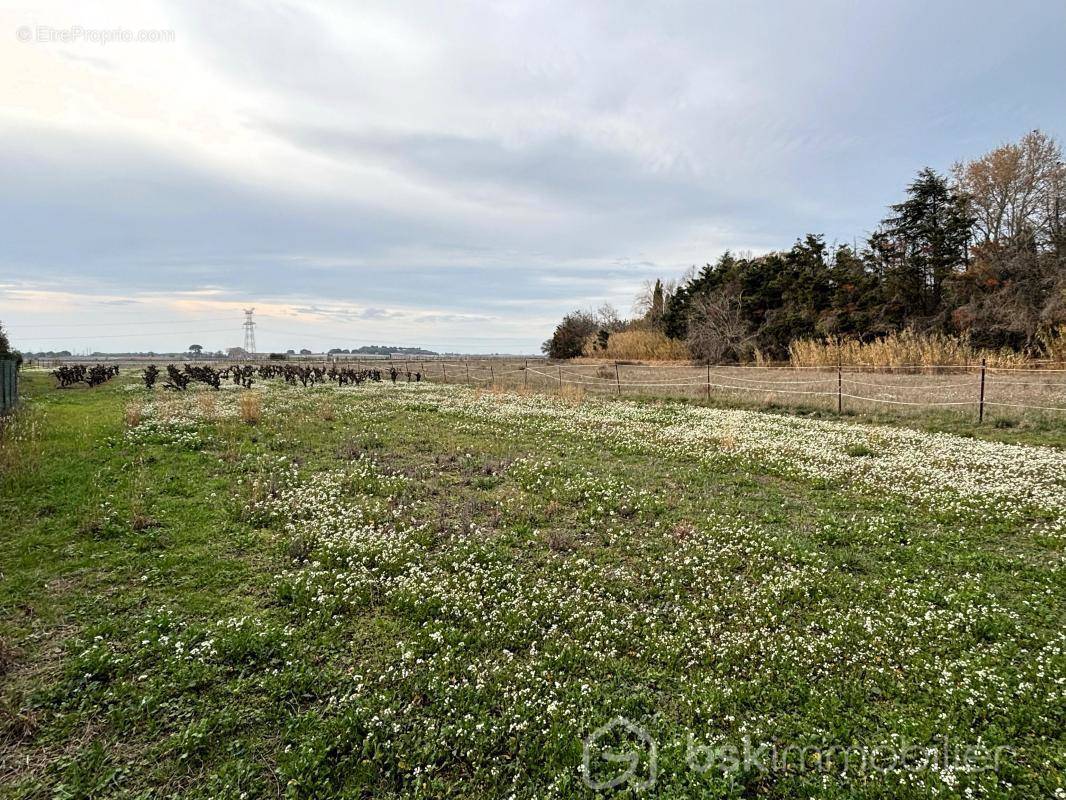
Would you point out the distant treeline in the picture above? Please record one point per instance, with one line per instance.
(979, 255)
(379, 350)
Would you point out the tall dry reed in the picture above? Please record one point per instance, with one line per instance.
(898, 350)
(638, 345)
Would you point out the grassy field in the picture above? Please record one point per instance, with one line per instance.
(440, 591)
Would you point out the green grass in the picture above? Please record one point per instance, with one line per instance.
(394, 591)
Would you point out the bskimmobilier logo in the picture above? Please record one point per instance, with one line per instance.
(620, 753)
(624, 755)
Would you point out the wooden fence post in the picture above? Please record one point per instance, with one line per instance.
(617, 380)
(981, 399)
(444, 368)
(708, 382)
(9, 384)
(560, 377)
(492, 376)
(840, 386)
(525, 374)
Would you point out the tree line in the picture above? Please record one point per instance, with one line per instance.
(979, 253)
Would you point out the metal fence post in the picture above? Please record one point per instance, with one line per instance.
(9, 384)
(840, 387)
(981, 399)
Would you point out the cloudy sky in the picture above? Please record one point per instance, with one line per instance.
(458, 175)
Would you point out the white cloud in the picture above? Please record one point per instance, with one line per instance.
(450, 159)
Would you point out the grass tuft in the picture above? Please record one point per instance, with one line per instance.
(250, 408)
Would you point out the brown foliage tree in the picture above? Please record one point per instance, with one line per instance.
(1016, 191)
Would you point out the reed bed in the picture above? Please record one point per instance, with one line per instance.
(640, 345)
(902, 350)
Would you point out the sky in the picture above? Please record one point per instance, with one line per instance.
(459, 175)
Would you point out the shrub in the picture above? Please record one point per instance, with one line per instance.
(570, 335)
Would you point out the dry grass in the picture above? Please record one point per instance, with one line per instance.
(140, 520)
(250, 408)
(683, 530)
(560, 541)
(208, 402)
(326, 410)
(1053, 344)
(572, 393)
(897, 350)
(134, 413)
(642, 345)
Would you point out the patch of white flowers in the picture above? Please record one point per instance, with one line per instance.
(170, 431)
(945, 470)
(508, 652)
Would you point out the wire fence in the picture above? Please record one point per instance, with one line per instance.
(977, 389)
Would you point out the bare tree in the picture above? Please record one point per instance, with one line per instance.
(652, 299)
(717, 330)
(643, 300)
(608, 319)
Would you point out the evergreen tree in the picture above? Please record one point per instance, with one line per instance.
(921, 246)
